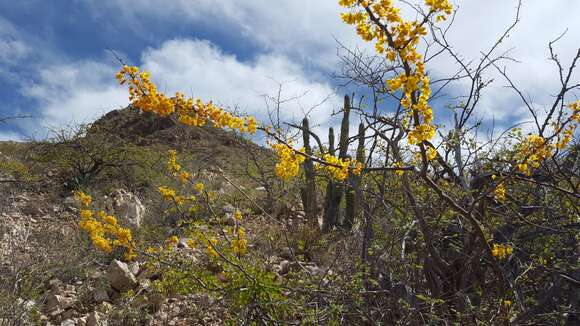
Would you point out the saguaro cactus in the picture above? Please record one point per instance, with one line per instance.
(352, 189)
(330, 212)
(335, 189)
(309, 190)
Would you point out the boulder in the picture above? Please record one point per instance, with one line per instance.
(126, 207)
(120, 277)
(101, 295)
(56, 302)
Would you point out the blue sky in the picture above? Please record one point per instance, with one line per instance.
(54, 63)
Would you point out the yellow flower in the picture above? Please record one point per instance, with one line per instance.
(238, 215)
(199, 187)
(501, 251)
(535, 149)
(431, 153)
(500, 193)
(399, 172)
(172, 241)
(240, 244)
(289, 161)
(167, 193)
(211, 247)
(83, 198)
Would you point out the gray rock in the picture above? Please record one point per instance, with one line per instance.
(183, 243)
(284, 267)
(229, 208)
(229, 219)
(68, 322)
(56, 302)
(126, 207)
(286, 253)
(100, 295)
(120, 277)
(134, 268)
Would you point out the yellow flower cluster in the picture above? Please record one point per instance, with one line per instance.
(172, 241)
(399, 165)
(170, 194)
(536, 149)
(238, 215)
(431, 153)
(83, 198)
(339, 168)
(398, 40)
(575, 107)
(289, 161)
(167, 193)
(172, 164)
(499, 193)
(144, 95)
(501, 251)
(240, 243)
(211, 244)
(566, 136)
(103, 229)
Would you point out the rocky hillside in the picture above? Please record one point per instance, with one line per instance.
(50, 274)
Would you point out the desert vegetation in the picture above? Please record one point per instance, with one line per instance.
(167, 212)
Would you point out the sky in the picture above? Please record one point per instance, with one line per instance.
(56, 64)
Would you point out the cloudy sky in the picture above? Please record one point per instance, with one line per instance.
(55, 64)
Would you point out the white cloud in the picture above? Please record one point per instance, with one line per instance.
(12, 48)
(82, 91)
(477, 28)
(301, 29)
(76, 92)
(304, 30)
(293, 35)
(200, 69)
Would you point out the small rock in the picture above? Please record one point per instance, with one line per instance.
(58, 302)
(94, 274)
(229, 219)
(184, 243)
(100, 295)
(120, 277)
(315, 270)
(284, 267)
(69, 201)
(286, 253)
(68, 322)
(229, 208)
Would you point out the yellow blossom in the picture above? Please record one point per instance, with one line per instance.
(167, 193)
(500, 193)
(501, 251)
(211, 244)
(199, 187)
(238, 215)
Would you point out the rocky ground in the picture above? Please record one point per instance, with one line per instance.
(50, 274)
